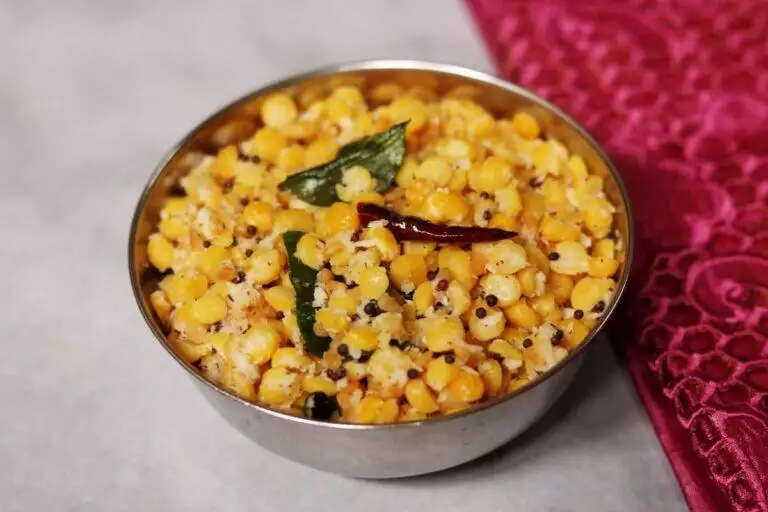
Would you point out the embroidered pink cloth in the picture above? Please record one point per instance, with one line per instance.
(677, 92)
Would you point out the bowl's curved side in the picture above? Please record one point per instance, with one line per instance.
(395, 453)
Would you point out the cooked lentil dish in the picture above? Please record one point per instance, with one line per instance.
(383, 257)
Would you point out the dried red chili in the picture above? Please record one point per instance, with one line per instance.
(414, 228)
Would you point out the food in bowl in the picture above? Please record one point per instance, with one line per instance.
(384, 257)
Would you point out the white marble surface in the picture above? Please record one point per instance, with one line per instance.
(94, 415)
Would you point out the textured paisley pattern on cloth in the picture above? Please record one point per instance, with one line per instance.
(677, 92)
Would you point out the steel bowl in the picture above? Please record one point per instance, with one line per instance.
(392, 450)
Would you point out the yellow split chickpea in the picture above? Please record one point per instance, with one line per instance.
(435, 169)
(354, 182)
(420, 396)
(599, 216)
(458, 297)
(209, 309)
(160, 252)
(321, 150)
(560, 286)
(260, 342)
(301, 129)
(408, 268)
(575, 334)
(248, 175)
(455, 149)
(226, 162)
(423, 248)
(520, 314)
(576, 168)
(555, 194)
(388, 367)
(361, 339)
(525, 125)
(443, 333)
(290, 357)
(459, 264)
(486, 323)
(383, 240)
(600, 266)
(278, 110)
(311, 251)
(373, 409)
(440, 373)
(184, 287)
(440, 206)
(161, 305)
(459, 180)
(339, 217)
(360, 261)
(554, 230)
(333, 321)
(589, 291)
(267, 144)
(423, 298)
(373, 282)
(468, 386)
(211, 261)
(317, 383)
(173, 228)
(291, 159)
(280, 297)
(527, 279)
(506, 257)
(572, 259)
(504, 349)
(493, 174)
(266, 265)
(259, 215)
(509, 201)
(414, 329)
(492, 375)
(346, 300)
(294, 220)
(411, 109)
(279, 387)
(605, 248)
(506, 289)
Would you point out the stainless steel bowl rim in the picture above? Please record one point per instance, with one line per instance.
(388, 65)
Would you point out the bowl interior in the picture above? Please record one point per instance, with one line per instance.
(238, 121)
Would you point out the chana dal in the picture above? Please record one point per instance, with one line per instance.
(412, 329)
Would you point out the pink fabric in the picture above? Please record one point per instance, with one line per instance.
(676, 91)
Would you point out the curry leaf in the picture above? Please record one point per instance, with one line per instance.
(303, 279)
(382, 154)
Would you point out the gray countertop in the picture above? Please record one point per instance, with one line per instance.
(95, 415)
